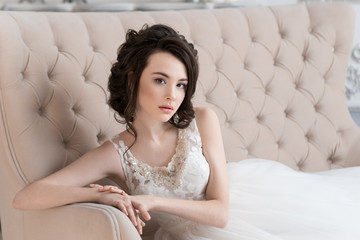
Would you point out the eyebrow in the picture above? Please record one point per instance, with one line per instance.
(167, 76)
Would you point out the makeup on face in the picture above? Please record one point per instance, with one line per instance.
(162, 86)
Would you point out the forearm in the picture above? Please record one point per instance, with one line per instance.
(208, 212)
(40, 195)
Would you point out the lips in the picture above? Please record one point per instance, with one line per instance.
(166, 108)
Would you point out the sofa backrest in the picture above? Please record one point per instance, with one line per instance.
(274, 75)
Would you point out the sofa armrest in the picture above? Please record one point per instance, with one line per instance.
(82, 221)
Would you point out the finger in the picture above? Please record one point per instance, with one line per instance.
(132, 215)
(116, 190)
(99, 187)
(108, 187)
(145, 214)
(122, 208)
(139, 225)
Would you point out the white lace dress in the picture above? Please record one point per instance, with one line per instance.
(267, 199)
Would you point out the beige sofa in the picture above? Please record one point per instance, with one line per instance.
(274, 75)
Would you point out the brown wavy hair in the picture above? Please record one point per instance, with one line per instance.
(132, 59)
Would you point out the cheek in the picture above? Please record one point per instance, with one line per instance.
(181, 97)
(146, 95)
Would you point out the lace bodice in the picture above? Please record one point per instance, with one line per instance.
(185, 176)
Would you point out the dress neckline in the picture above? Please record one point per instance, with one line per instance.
(134, 161)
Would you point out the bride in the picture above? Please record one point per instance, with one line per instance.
(170, 164)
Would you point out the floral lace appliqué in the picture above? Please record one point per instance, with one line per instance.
(169, 176)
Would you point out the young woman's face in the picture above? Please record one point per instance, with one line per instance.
(162, 87)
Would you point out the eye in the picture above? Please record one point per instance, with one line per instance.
(182, 85)
(160, 81)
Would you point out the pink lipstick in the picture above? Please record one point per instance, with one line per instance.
(166, 108)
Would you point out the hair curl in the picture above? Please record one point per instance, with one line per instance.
(132, 59)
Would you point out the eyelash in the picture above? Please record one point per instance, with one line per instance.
(162, 81)
(184, 86)
(159, 80)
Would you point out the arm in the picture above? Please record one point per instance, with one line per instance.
(67, 185)
(214, 210)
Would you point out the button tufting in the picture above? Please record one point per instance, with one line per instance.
(287, 113)
(266, 90)
(41, 111)
(246, 65)
(258, 118)
(297, 85)
(316, 108)
(246, 152)
(65, 143)
(75, 109)
(100, 137)
(331, 159)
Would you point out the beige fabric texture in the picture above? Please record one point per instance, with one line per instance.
(274, 75)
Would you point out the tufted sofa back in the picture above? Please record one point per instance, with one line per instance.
(274, 75)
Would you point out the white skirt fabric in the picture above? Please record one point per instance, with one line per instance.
(270, 201)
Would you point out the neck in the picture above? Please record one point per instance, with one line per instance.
(150, 130)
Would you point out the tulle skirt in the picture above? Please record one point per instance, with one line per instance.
(270, 201)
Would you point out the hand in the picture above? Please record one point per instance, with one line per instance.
(116, 197)
(143, 203)
(108, 188)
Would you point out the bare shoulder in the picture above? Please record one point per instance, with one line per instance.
(205, 118)
(107, 154)
(209, 127)
(210, 133)
(107, 148)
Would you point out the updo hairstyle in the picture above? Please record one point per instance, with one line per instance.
(132, 59)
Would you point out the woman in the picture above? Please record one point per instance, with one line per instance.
(171, 164)
(151, 87)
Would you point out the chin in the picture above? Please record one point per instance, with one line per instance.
(166, 119)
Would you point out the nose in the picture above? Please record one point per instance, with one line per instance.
(171, 93)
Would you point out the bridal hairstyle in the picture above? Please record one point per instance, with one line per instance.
(132, 59)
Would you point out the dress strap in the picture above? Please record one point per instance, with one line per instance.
(121, 149)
